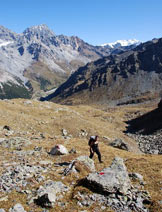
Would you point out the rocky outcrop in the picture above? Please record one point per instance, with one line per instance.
(112, 187)
(110, 180)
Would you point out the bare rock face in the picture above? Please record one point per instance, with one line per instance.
(59, 150)
(112, 179)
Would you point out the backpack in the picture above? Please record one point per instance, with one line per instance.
(92, 139)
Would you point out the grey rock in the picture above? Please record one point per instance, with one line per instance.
(48, 194)
(64, 132)
(120, 144)
(73, 151)
(15, 142)
(17, 208)
(87, 162)
(59, 150)
(136, 176)
(112, 179)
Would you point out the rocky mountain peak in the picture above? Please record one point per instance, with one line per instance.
(6, 34)
(38, 32)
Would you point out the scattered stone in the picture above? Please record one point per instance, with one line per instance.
(4, 198)
(58, 150)
(70, 168)
(136, 176)
(83, 133)
(27, 102)
(120, 144)
(6, 128)
(38, 148)
(49, 193)
(17, 208)
(106, 138)
(15, 142)
(64, 132)
(73, 151)
(16, 177)
(149, 144)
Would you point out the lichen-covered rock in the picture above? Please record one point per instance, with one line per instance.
(59, 150)
(110, 180)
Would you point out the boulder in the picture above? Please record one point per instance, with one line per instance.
(88, 162)
(59, 150)
(17, 208)
(110, 180)
(120, 144)
(49, 193)
(82, 164)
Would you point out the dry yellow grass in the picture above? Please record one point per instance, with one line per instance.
(31, 118)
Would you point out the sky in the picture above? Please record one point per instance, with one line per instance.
(95, 21)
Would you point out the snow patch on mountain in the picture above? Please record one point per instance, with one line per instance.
(123, 43)
(7, 78)
(4, 43)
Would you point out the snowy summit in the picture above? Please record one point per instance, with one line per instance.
(122, 43)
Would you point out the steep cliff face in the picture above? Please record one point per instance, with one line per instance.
(122, 78)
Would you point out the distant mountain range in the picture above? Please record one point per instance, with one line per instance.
(129, 77)
(123, 43)
(37, 59)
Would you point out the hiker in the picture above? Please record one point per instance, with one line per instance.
(93, 143)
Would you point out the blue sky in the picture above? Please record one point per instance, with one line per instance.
(94, 21)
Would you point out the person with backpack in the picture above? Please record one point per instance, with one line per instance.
(93, 143)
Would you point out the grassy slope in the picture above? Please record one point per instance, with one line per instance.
(49, 119)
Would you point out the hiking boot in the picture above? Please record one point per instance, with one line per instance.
(101, 161)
